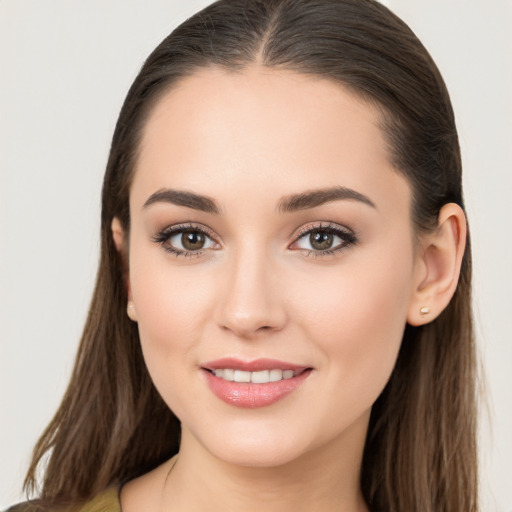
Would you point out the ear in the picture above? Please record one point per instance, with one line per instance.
(118, 235)
(438, 266)
(119, 238)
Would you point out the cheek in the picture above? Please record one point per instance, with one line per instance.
(169, 307)
(170, 303)
(357, 314)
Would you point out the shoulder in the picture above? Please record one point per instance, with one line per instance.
(107, 501)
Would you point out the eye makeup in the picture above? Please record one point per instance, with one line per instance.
(324, 238)
(316, 239)
(193, 238)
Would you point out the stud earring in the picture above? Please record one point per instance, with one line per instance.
(425, 310)
(130, 310)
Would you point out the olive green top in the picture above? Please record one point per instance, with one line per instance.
(107, 501)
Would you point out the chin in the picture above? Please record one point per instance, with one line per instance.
(263, 455)
(262, 445)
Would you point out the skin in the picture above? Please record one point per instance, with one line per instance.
(247, 140)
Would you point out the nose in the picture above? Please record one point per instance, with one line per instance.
(250, 302)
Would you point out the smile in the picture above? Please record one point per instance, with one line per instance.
(259, 377)
(253, 384)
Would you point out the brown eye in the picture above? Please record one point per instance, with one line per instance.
(185, 240)
(324, 239)
(321, 240)
(192, 240)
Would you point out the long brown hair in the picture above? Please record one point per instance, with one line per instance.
(420, 453)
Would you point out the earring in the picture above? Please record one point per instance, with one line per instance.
(130, 310)
(424, 310)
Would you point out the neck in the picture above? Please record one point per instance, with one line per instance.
(326, 478)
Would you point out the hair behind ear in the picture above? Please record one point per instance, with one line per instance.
(112, 424)
(426, 417)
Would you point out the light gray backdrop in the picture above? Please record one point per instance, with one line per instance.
(65, 66)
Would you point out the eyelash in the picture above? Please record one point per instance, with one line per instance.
(347, 236)
(166, 234)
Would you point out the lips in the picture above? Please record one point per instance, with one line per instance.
(252, 384)
(251, 366)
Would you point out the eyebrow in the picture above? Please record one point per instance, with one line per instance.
(291, 203)
(183, 198)
(314, 198)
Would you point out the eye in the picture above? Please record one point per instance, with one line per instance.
(185, 240)
(324, 239)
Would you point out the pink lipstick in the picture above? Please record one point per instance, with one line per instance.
(251, 384)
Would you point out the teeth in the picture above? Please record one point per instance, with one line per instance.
(228, 374)
(241, 376)
(261, 377)
(275, 375)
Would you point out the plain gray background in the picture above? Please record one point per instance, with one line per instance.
(65, 67)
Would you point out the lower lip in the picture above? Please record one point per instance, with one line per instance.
(250, 395)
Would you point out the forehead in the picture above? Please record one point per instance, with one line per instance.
(263, 129)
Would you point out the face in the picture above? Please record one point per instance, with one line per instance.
(270, 241)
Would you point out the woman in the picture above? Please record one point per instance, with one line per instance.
(284, 289)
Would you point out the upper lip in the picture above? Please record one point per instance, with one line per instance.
(252, 366)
